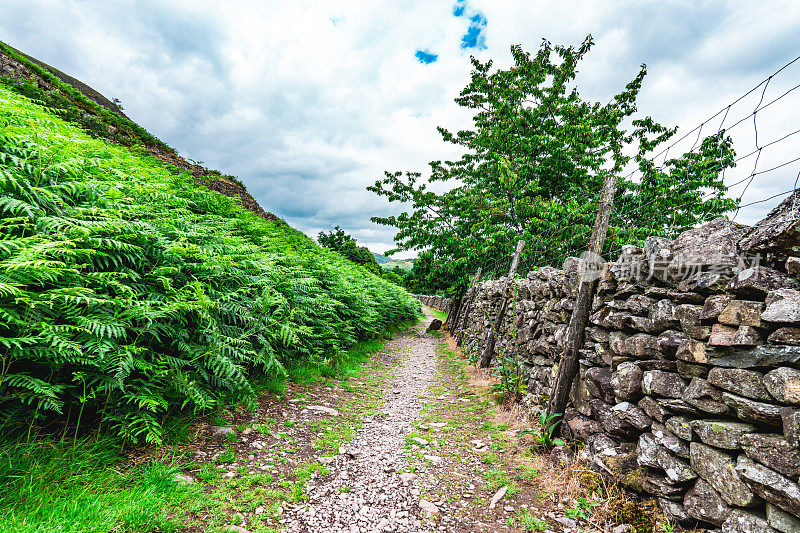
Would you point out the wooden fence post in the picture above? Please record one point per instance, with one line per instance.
(486, 358)
(568, 366)
(466, 308)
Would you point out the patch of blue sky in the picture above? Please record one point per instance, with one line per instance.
(426, 56)
(475, 37)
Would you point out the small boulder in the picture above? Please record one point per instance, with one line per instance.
(784, 385)
(770, 485)
(719, 470)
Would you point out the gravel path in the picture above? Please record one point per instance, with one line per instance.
(366, 492)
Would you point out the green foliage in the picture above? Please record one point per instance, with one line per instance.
(346, 245)
(79, 487)
(127, 291)
(582, 509)
(533, 165)
(544, 438)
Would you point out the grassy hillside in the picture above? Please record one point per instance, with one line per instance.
(127, 290)
(404, 264)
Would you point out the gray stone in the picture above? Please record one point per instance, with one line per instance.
(660, 485)
(581, 426)
(793, 266)
(770, 485)
(435, 325)
(776, 235)
(790, 417)
(781, 520)
(782, 305)
(669, 341)
(722, 433)
(752, 411)
(784, 385)
(740, 521)
(598, 383)
(677, 405)
(701, 395)
(634, 415)
(220, 432)
(653, 409)
(693, 351)
(666, 384)
(774, 451)
(710, 245)
(747, 383)
(616, 341)
(691, 370)
(658, 255)
(764, 355)
(681, 426)
(677, 470)
(703, 503)
(689, 316)
(719, 470)
(611, 420)
(663, 316)
(713, 306)
(742, 313)
(785, 335)
(642, 345)
(627, 382)
(673, 511)
(647, 450)
(722, 335)
(668, 440)
(756, 282)
(747, 336)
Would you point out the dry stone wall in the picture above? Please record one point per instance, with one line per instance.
(689, 385)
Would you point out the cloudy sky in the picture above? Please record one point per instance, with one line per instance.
(309, 102)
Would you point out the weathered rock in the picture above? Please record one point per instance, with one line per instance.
(658, 255)
(790, 418)
(681, 426)
(792, 266)
(776, 235)
(669, 341)
(722, 335)
(221, 432)
(598, 383)
(677, 405)
(677, 470)
(774, 451)
(642, 345)
(711, 245)
(785, 335)
(693, 351)
(691, 370)
(713, 306)
(764, 355)
(784, 385)
(689, 317)
(747, 336)
(756, 282)
(608, 318)
(581, 426)
(653, 409)
(647, 450)
(578, 393)
(782, 521)
(782, 305)
(666, 384)
(722, 433)
(633, 415)
(701, 395)
(611, 420)
(747, 383)
(638, 304)
(770, 485)
(719, 470)
(661, 485)
(668, 440)
(673, 511)
(703, 503)
(627, 381)
(742, 313)
(752, 411)
(740, 521)
(663, 316)
(435, 325)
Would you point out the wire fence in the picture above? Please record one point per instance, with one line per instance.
(762, 126)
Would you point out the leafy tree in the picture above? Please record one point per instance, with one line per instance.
(346, 245)
(532, 169)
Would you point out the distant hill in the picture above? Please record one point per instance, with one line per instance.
(404, 264)
(381, 258)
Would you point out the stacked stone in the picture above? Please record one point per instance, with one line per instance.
(440, 303)
(689, 385)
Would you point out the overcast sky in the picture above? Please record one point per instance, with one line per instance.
(309, 102)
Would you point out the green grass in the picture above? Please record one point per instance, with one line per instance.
(77, 487)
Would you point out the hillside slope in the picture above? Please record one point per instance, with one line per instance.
(126, 289)
(97, 115)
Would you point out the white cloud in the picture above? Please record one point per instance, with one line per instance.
(308, 112)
